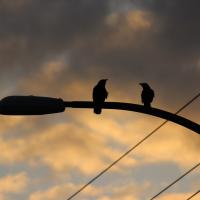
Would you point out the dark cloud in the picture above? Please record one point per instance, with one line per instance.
(178, 21)
(165, 53)
(127, 41)
(37, 30)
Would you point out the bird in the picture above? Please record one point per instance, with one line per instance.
(99, 95)
(147, 95)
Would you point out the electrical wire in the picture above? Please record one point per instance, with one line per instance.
(193, 195)
(130, 150)
(178, 179)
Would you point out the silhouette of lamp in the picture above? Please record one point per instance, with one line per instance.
(34, 105)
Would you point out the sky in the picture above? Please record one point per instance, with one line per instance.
(62, 49)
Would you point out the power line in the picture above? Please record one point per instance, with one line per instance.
(188, 103)
(178, 179)
(193, 195)
(130, 150)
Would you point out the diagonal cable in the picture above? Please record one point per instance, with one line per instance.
(178, 179)
(195, 194)
(130, 150)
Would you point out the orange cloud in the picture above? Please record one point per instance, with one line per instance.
(14, 183)
(165, 145)
(125, 28)
(11, 123)
(92, 142)
(134, 19)
(64, 191)
(61, 147)
(177, 196)
(125, 192)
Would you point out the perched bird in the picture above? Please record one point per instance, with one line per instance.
(99, 95)
(147, 95)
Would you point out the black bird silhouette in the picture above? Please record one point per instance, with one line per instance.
(147, 95)
(99, 95)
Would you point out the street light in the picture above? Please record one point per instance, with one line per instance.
(34, 105)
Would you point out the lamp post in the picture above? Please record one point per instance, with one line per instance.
(34, 105)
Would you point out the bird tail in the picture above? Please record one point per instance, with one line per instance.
(97, 109)
(147, 104)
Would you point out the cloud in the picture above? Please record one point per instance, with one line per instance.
(147, 54)
(164, 146)
(62, 48)
(30, 38)
(63, 191)
(73, 148)
(10, 123)
(130, 191)
(168, 144)
(175, 196)
(15, 184)
(147, 43)
(89, 144)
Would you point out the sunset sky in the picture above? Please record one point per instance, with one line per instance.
(62, 48)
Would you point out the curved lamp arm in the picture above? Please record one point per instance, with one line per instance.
(141, 109)
(34, 105)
